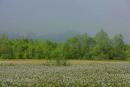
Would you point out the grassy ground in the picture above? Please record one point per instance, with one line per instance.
(80, 73)
(38, 61)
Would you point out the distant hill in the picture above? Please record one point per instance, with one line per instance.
(58, 37)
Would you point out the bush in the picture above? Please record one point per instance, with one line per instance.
(61, 62)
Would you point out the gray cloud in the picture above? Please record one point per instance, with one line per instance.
(48, 17)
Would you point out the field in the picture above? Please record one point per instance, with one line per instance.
(37, 73)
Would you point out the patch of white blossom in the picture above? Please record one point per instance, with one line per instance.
(112, 74)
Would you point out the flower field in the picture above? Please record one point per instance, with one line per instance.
(89, 74)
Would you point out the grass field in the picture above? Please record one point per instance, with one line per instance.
(80, 73)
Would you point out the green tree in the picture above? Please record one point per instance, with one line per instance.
(81, 46)
(5, 47)
(87, 44)
(103, 45)
(74, 47)
(118, 47)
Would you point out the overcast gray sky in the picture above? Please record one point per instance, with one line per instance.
(55, 16)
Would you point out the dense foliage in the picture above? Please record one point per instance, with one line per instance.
(78, 47)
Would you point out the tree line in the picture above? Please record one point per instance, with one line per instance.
(81, 46)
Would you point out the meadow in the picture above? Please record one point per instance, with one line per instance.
(79, 73)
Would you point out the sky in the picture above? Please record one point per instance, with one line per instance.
(53, 17)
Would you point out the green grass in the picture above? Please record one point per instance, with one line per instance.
(80, 73)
